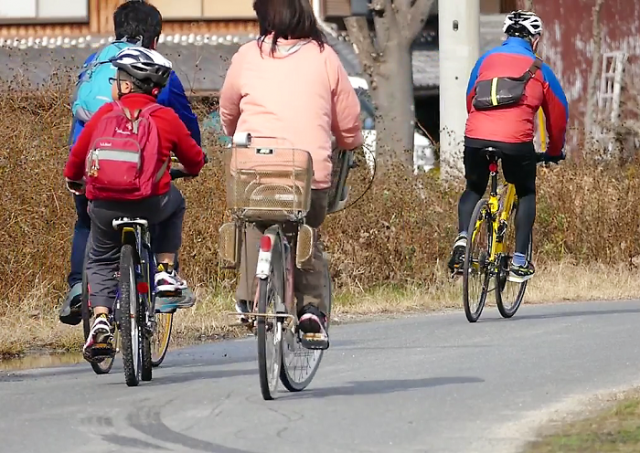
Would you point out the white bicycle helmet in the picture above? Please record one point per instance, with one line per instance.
(144, 65)
(523, 24)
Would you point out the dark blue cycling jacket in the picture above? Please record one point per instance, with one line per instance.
(172, 96)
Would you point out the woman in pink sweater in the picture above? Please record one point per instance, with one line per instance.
(290, 84)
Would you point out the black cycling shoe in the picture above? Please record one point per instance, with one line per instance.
(71, 310)
(312, 324)
(456, 262)
(311, 319)
(520, 274)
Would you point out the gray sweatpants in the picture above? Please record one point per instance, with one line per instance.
(309, 285)
(166, 212)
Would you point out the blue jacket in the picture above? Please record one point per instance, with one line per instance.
(172, 96)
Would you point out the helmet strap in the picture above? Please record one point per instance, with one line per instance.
(118, 86)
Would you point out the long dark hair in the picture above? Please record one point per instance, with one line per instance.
(287, 19)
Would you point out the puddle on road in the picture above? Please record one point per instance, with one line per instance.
(39, 360)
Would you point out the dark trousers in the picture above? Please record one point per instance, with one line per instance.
(80, 237)
(81, 232)
(166, 212)
(519, 169)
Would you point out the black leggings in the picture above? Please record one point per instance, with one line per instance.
(520, 170)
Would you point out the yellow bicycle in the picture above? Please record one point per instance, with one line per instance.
(489, 252)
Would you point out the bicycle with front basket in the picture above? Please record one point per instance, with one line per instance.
(139, 330)
(489, 253)
(271, 186)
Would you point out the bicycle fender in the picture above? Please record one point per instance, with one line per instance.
(263, 269)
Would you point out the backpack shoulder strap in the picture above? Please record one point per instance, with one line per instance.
(120, 108)
(149, 109)
(535, 66)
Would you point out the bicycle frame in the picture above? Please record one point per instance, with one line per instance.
(498, 219)
(275, 234)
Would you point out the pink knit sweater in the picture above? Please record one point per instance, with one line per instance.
(300, 94)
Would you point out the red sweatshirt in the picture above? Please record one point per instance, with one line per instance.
(173, 136)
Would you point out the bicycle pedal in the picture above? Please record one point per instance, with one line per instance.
(315, 341)
(169, 294)
(99, 352)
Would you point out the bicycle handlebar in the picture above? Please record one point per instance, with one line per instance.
(177, 173)
(78, 187)
(544, 159)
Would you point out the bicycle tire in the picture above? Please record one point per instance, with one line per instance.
(146, 372)
(503, 273)
(129, 301)
(286, 374)
(161, 338)
(269, 384)
(477, 216)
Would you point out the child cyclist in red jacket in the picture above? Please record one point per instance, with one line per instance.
(123, 155)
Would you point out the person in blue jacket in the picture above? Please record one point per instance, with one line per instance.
(133, 21)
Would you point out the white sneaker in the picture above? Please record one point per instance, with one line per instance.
(169, 282)
(100, 334)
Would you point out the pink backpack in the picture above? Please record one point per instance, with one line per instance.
(123, 160)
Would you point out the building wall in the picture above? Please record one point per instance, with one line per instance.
(95, 17)
(567, 44)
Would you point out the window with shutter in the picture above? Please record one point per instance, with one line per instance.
(43, 11)
(337, 8)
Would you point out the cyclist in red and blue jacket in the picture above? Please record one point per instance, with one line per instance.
(138, 19)
(510, 130)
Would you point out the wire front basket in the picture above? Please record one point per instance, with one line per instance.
(266, 183)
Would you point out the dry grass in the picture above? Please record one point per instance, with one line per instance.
(32, 327)
(612, 429)
(396, 236)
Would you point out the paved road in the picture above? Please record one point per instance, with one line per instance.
(419, 384)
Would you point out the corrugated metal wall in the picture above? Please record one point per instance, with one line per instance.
(567, 44)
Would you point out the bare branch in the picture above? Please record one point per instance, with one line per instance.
(361, 38)
(417, 17)
(385, 22)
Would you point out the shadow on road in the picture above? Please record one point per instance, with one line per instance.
(19, 376)
(201, 375)
(382, 387)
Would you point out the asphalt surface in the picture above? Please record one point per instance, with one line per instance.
(419, 384)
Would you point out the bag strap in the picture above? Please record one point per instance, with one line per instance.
(531, 72)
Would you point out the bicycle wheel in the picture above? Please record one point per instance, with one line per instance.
(299, 364)
(509, 295)
(161, 338)
(269, 330)
(100, 365)
(128, 314)
(476, 273)
(146, 352)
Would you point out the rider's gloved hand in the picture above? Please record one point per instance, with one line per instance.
(75, 187)
(555, 159)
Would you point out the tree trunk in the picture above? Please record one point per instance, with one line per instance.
(386, 62)
(392, 94)
(591, 117)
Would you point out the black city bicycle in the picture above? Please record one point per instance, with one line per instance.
(140, 332)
